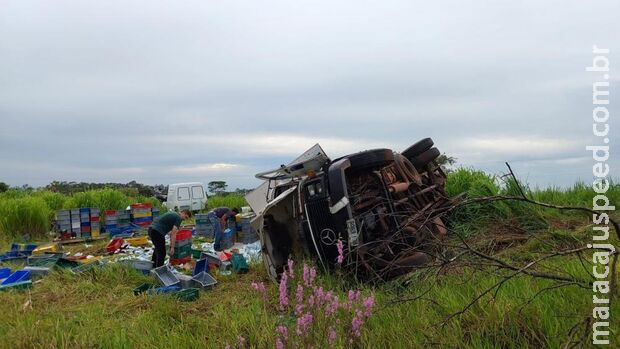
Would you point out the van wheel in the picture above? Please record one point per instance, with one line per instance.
(371, 159)
(425, 158)
(418, 148)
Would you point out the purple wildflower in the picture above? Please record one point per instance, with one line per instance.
(332, 307)
(340, 247)
(279, 344)
(369, 303)
(283, 291)
(283, 330)
(291, 272)
(331, 335)
(260, 287)
(241, 342)
(356, 324)
(304, 323)
(299, 295)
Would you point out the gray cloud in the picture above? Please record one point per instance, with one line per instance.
(120, 91)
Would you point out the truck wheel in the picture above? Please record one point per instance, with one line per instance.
(371, 159)
(425, 158)
(418, 148)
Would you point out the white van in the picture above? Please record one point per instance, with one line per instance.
(190, 196)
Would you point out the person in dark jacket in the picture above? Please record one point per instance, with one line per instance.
(168, 222)
(218, 217)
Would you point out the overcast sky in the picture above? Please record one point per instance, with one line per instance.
(171, 91)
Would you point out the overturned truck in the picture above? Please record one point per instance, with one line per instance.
(384, 206)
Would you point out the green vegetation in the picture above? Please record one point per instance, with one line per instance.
(30, 213)
(229, 200)
(98, 309)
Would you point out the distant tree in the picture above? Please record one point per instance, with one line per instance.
(444, 160)
(217, 187)
(3, 187)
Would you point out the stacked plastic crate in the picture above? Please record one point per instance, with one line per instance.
(63, 220)
(111, 222)
(248, 234)
(182, 247)
(95, 225)
(204, 226)
(76, 222)
(85, 222)
(141, 214)
(123, 221)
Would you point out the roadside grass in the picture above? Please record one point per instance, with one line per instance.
(98, 309)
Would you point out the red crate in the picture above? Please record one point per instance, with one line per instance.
(84, 229)
(94, 219)
(183, 234)
(115, 245)
(110, 212)
(181, 260)
(141, 205)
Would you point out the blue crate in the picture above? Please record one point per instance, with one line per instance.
(143, 220)
(18, 276)
(5, 272)
(201, 265)
(164, 289)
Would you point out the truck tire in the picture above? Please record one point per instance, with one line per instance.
(418, 148)
(370, 159)
(425, 158)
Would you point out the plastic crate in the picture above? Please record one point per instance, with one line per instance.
(187, 295)
(182, 243)
(46, 260)
(5, 272)
(86, 267)
(164, 290)
(138, 241)
(183, 234)
(22, 285)
(142, 288)
(205, 279)
(18, 276)
(165, 275)
(239, 264)
(179, 261)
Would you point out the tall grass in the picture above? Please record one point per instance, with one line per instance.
(230, 200)
(32, 213)
(24, 217)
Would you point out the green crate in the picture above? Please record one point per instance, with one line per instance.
(187, 295)
(179, 255)
(183, 249)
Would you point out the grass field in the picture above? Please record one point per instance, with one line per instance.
(98, 309)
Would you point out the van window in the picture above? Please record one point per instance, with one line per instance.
(183, 193)
(197, 192)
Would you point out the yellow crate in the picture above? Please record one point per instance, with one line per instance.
(95, 233)
(138, 241)
(142, 215)
(51, 247)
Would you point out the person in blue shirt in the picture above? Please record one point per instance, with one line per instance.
(218, 217)
(168, 222)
